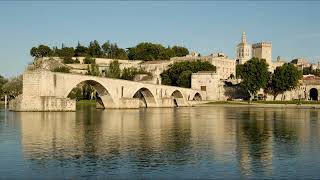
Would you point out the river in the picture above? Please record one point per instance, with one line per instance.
(195, 142)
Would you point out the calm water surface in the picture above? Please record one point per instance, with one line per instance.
(198, 142)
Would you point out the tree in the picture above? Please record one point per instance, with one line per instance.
(40, 51)
(106, 49)
(284, 78)
(66, 53)
(34, 52)
(185, 79)
(131, 72)
(255, 75)
(239, 70)
(180, 51)
(94, 49)
(174, 77)
(13, 87)
(2, 82)
(81, 51)
(114, 70)
(89, 60)
(93, 70)
(147, 51)
(44, 51)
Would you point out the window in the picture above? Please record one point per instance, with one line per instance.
(203, 88)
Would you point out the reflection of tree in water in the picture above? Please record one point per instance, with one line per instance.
(254, 141)
(174, 142)
(285, 133)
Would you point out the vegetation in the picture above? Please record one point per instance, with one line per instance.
(41, 51)
(62, 69)
(255, 75)
(179, 74)
(93, 70)
(13, 87)
(297, 102)
(131, 72)
(149, 52)
(143, 51)
(89, 60)
(82, 92)
(285, 78)
(310, 70)
(2, 82)
(114, 70)
(239, 70)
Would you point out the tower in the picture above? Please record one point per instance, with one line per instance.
(243, 52)
(263, 50)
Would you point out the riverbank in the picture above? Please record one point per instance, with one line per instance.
(87, 102)
(264, 104)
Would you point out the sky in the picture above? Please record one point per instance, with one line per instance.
(203, 26)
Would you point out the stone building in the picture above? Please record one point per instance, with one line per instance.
(210, 82)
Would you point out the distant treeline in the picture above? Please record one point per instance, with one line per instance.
(143, 51)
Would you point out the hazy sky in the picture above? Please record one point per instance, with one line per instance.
(292, 27)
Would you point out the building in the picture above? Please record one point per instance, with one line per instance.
(263, 50)
(243, 50)
(210, 82)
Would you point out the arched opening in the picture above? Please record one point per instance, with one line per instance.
(177, 98)
(91, 90)
(197, 97)
(146, 98)
(314, 94)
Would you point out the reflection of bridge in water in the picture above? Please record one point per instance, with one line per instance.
(249, 140)
(48, 91)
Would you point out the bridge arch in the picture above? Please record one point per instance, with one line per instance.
(314, 94)
(147, 99)
(104, 98)
(197, 97)
(178, 99)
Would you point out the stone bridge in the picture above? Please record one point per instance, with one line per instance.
(48, 91)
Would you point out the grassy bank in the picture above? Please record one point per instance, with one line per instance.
(288, 102)
(87, 102)
(265, 102)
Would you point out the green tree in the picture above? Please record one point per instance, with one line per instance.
(40, 51)
(180, 51)
(185, 79)
(147, 52)
(255, 76)
(114, 70)
(89, 60)
(66, 54)
(13, 87)
(2, 82)
(44, 51)
(173, 77)
(284, 78)
(93, 70)
(239, 70)
(94, 49)
(106, 49)
(131, 72)
(81, 51)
